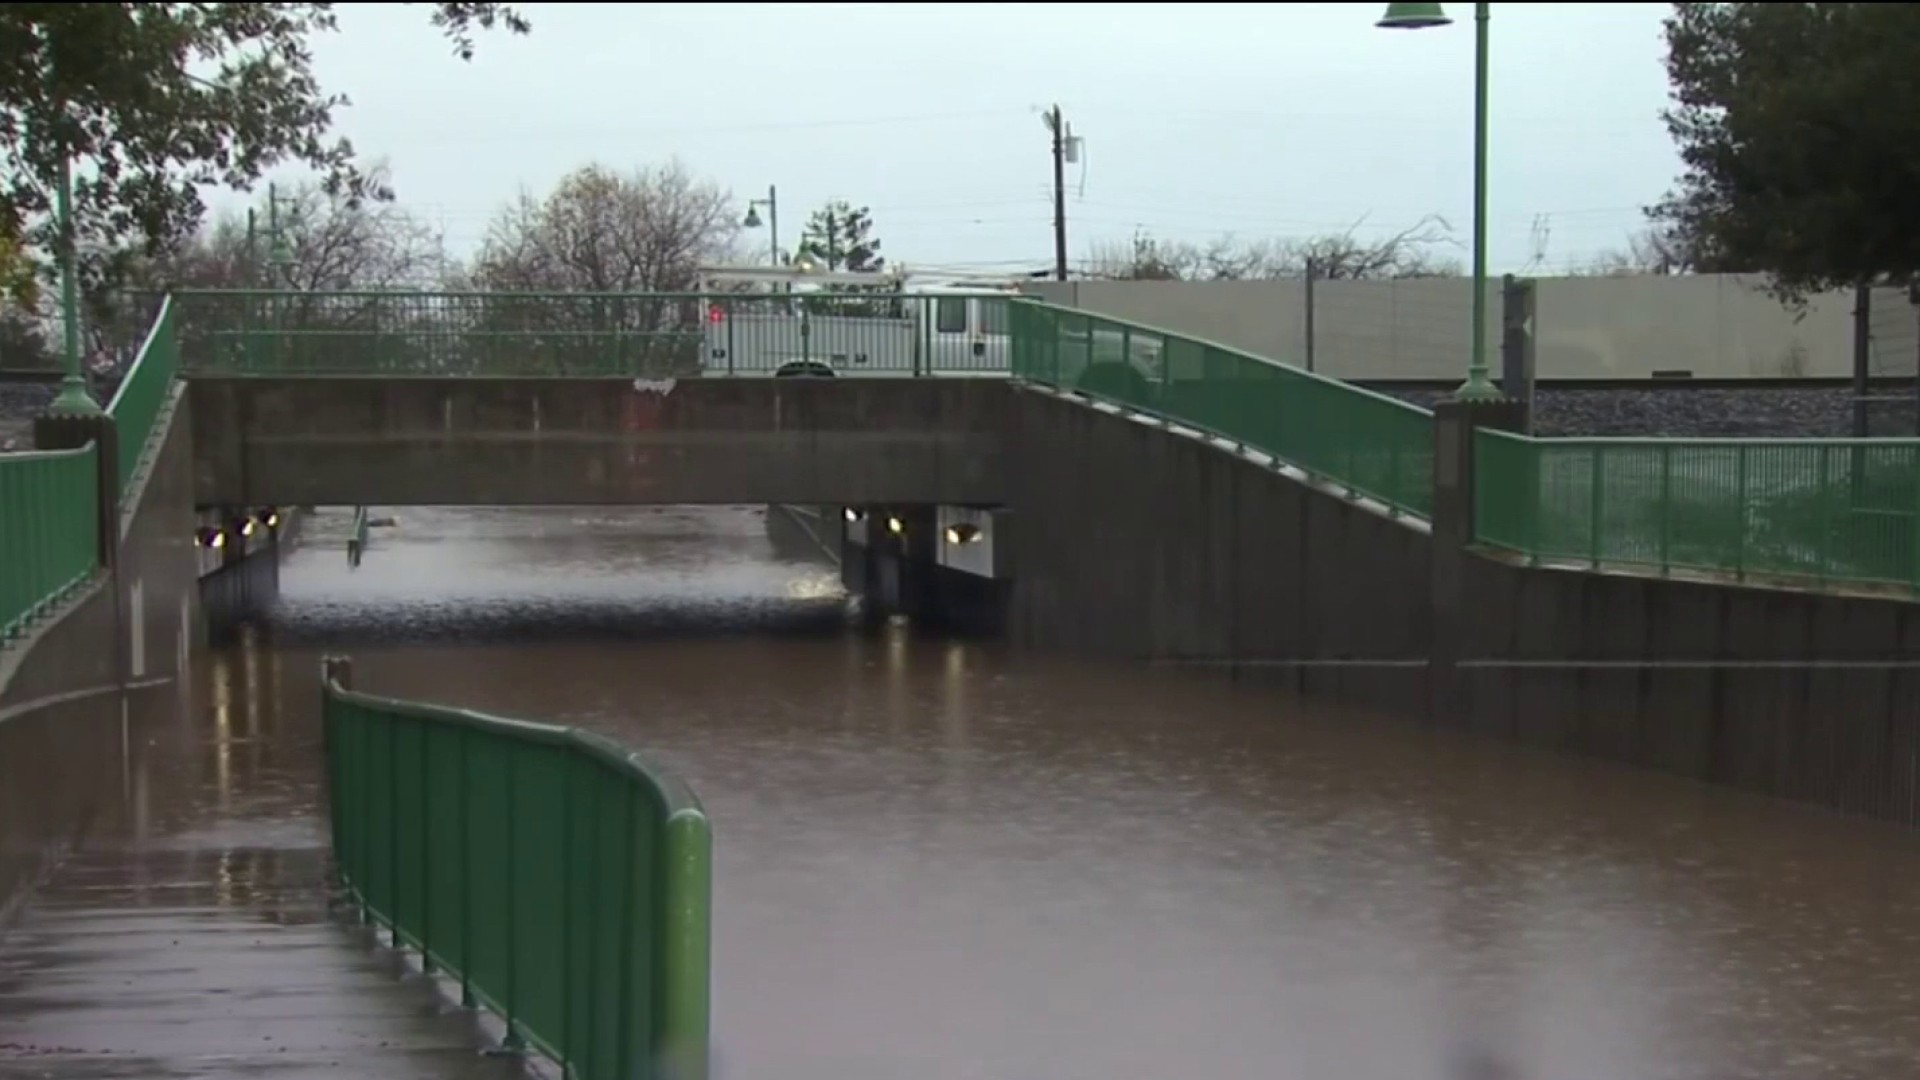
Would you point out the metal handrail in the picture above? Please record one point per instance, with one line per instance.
(564, 881)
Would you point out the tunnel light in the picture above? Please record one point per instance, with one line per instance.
(212, 539)
(248, 527)
(963, 532)
(853, 516)
(896, 526)
(270, 517)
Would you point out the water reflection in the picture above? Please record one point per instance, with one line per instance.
(943, 861)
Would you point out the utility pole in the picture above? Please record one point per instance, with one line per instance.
(1058, 126)
(833, 240)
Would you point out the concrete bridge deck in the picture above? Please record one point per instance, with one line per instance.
(532, 441)
(192, 938)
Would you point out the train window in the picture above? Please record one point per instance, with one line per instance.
(950, 315)
(994, 316)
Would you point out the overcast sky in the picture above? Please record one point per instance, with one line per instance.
(1199, 119)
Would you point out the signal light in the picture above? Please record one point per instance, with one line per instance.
(715, 314)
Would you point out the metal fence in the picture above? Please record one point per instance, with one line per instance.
(1368, 443)
(562, 881)
(136, 404)
(1820, 512)
(636, 335)
(49, 531)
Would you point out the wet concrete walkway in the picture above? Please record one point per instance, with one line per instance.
(193, 939)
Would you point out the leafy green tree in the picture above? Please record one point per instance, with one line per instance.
(840, 235)
(109, 86)
(1798, 127)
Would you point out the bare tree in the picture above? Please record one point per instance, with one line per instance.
(613, 242)
(327, 242)
(646, 231)
(1654, 250)
(1412, 252)
(1408, 253)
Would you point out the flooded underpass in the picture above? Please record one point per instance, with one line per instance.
(939, 860)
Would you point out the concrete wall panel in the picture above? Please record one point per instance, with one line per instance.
(1136, 542)
(1713, 325)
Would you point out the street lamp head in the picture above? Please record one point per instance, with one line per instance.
(1413, 17)
(753, 217)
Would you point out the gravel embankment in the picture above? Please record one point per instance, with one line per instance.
(1683, 411)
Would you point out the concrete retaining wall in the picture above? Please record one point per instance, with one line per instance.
(1136, 543)
(1801, 696)
(61, 719)
(1139, 543)
(397, 442)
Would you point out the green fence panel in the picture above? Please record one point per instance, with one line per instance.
(1369, 443)
(49, 531)
(601, 335)
(565, 883)
(136, 405)
(1842, 511)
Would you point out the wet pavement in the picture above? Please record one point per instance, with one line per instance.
(943, 861)
(191, 936)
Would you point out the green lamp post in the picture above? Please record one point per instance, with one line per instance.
(772, 203)
(1478, 387)
(74, 398)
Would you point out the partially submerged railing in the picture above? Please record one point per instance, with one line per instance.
(561, 880)
(603, 335)
(49, 531)
(1368, 443)
(1823, 512)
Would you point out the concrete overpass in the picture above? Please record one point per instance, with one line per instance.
(553, 441)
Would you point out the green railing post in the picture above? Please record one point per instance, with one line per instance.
(1824, 549)
(395, 912)
(629, 869)
(1535, 455)
(1664, 510)
(467, 1000)
(1742, 517)
(426, 850)
(566, 917)
(512, 1042)
(685, 937)
(363, 792)
(1913, 550)
(1596, 510)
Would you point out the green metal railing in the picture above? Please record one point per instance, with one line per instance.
(49, 531)
(561, 880)
(636, 335)
(1841, 511)
(1368, 443)
(136, 404)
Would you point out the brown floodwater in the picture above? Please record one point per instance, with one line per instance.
(940, 860)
